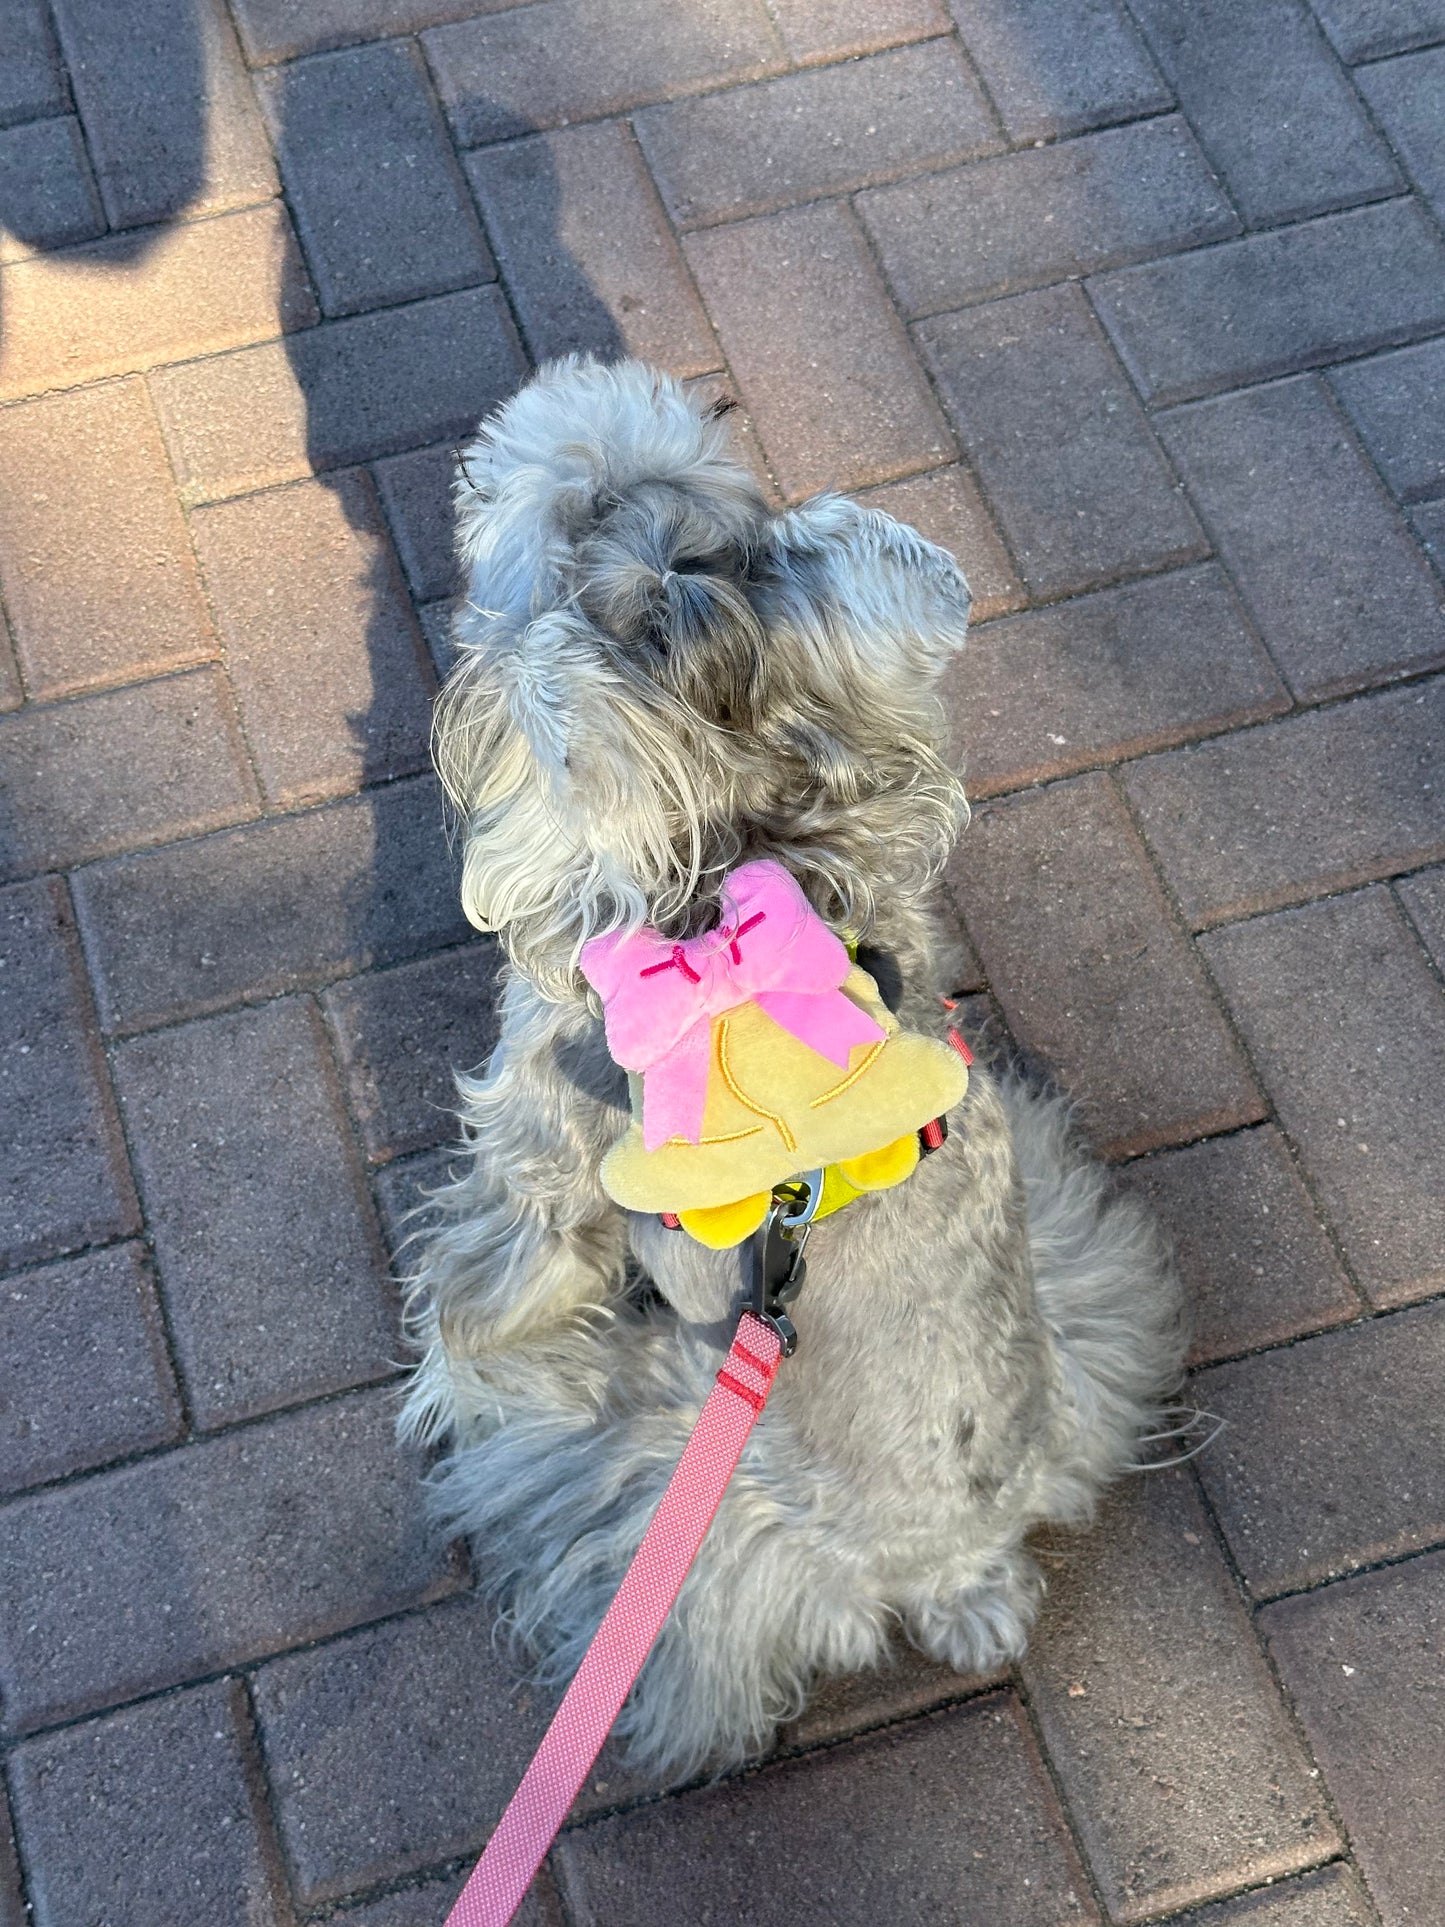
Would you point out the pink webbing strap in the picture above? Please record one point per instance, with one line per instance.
(624, 1639)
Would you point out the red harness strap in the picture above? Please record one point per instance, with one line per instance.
(625, 1637)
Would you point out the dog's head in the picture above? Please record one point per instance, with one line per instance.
(657, 677)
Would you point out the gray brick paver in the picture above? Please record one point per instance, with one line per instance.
(416, 494)
(1428, 522)
(1406, 95)
(1272, 106)
(1333, 1456)
(1042, 214)
(749, 150)
(150, 1816)
(268, 1253)
(1172, 1741)
(1364, 1664)
(381, 208)
(47, 193)
(348, 391)
(169, 114)
(1342, 1015)
(31, 79)
(1080, 950)
(404, 1034)
(117, 305)
(1065, 453)
(1333, 1897)
(1424, 899)
(98, 575)
(947, 507)
(393, 1749)
(63, 1176)
(220, 1552)
(825, 367)
(1368, 29)
(1334, 580)
(590, 260)
(603, 56)
(1256, 1263)
(280, 906)
(329, 668)
(1313, 803)
(848, 1836)
(828, 29)
(1057, 67)
(93, 1322)
(1106, 676)
(100, 774)
(1392, 401)
(1293, 298)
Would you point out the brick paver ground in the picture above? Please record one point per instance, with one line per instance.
(1138, 305)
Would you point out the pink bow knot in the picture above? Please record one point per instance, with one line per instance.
(660, 997)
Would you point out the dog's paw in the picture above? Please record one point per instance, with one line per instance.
(978, 1628)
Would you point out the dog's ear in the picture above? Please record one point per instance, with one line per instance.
(872, 581)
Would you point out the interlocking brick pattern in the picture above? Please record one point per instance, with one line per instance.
(1140, 309)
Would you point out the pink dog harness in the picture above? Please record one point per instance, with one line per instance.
(625, 1638)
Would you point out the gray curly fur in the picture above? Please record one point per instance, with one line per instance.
(657, 679)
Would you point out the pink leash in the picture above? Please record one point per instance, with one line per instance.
(624, 1639)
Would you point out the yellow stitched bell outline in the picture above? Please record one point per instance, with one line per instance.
(758, 1052)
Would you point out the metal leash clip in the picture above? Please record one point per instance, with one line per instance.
(776, 1255)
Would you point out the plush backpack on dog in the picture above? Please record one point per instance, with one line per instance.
(757, 1052)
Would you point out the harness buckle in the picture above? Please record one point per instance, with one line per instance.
(777, 1264)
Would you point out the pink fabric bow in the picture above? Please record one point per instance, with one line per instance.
(771, 948)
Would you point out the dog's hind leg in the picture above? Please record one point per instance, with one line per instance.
(529, 1245)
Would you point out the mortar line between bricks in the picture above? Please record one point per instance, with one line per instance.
(1368, 1315)
(1056, 1781)
(1414, 929)
(1286, 1698)
(1268, 1884)
(257, 996)
(1336, 886)
(256, 1776)
(908, 172)
(1379, 60)
(27, 1266)
(52, 26)
(1323, 366)
(1387, 1562)
(18, 1844)
(358, 1164)
(1232, 1030)
(7, 641)
(410, 1882)
(750, 1769)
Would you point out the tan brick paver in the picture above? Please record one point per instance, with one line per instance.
(1140, 309)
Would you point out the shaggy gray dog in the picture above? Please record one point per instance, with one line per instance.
(657, 679)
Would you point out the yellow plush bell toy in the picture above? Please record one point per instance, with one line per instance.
(758, 1051)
